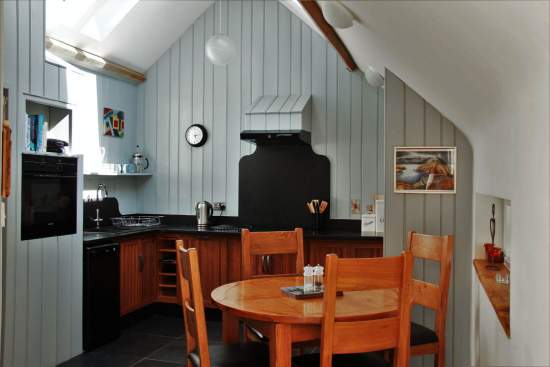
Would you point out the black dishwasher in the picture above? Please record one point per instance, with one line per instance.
(101, 294)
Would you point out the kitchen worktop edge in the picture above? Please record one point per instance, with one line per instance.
(330, 234)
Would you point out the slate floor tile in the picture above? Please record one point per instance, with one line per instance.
(214, 330)
(99, 359)
(154, 363)
(173, 352)
(136, 344)
(157, 341)
(159, 325)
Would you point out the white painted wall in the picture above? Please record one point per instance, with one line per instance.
(485, 65)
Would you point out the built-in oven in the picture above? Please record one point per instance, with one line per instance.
(48, 196)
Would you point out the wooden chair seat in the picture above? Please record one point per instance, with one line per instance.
(343, 360)
(422, 335)
(235, 355)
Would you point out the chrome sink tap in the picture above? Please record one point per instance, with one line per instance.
(101, 187)
(97, 219)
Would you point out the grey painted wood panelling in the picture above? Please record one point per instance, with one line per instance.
(277, 55)
(412, 121)
(43, 278)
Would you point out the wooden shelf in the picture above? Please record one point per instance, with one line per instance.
(113, 174)
(499, 294)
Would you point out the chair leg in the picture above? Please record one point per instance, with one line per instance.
(439, 359)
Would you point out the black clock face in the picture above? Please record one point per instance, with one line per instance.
(196, 135)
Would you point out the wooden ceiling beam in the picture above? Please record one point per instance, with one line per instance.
(314, 11)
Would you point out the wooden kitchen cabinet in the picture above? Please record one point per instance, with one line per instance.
(213, 265)
(319, 249)
(148, 271)
(166, 281)
(149, 284)
(137, 273)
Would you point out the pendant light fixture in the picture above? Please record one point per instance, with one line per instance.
(220, 49)
(336, 14)
(373, 77)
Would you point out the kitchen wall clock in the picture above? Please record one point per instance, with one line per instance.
(196, 135)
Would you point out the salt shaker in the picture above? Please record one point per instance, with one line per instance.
(308, 278)
(318, 273)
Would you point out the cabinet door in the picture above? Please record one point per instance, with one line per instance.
(365, 250)
(233, 259)
(212, 253)
(149, 274)
(318, 250)
(130, 276)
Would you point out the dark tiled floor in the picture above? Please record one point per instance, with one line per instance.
(157, 341)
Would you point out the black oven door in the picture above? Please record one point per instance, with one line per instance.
(48, 205)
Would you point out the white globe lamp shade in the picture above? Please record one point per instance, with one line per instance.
(336, 14)
(220, 49)
(373, 77)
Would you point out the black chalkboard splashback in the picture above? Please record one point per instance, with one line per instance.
(277, 180)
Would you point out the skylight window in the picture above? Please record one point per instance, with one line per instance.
(67, 13)
(107, 17)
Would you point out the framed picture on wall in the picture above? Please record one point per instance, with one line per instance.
(113, 122)
(425, 170)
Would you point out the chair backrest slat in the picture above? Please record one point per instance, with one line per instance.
(381, 273)
(426, 246)
(381, 334)
(426, 294)
(192, 302)
(393, 331)
(256, 244)
(434, 296)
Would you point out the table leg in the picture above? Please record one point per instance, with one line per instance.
(230, 328)
(280, 346)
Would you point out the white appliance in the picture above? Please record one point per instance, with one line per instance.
(368, 223)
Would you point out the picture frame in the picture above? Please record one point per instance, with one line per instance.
(113, 122)
(424, 170)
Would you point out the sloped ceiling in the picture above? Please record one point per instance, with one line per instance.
(470, 59)
(141, 36)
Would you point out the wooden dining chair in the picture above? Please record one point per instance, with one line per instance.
(349, 342)
(265, 244)
(199, 353)
(434, 296)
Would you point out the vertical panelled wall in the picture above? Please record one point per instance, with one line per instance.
(411, 121)
(43, 278)
(277, 55)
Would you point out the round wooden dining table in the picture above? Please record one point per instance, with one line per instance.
(286, 320)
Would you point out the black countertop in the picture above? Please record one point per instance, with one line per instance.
(109, 234)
